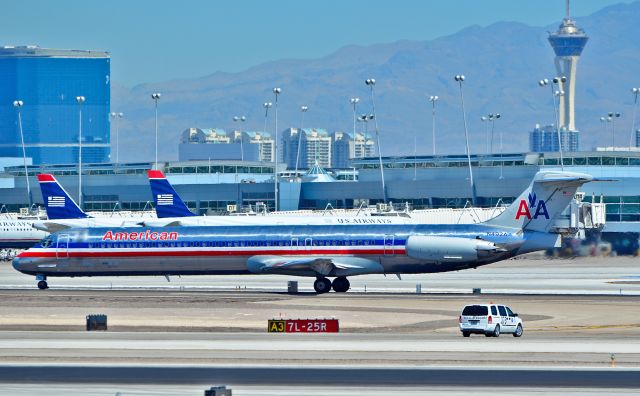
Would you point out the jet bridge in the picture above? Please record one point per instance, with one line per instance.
(581, 216)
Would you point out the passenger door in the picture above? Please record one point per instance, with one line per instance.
(389, 246)
(62, 246)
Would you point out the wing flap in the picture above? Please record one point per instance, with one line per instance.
(313, 265)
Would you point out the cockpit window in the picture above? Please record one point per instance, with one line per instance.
(46, 242)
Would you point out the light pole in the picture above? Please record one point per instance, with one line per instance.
(604, 120)
(80, 100)
(635, 92)
(117, 117)
(18, 104)
(554, 94)
(433, 100)
(276, 93)
(612, 118)
(459, 78)
(371, 83)
(267, 106)
(485, 122)
(354, 103)
(242, 119)
(365, 119)
(492, 118)
(156, 96)
(303, 109)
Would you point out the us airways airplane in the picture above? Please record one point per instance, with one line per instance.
(172, 211)
(356, 246)
(63, 212)
(19, 233)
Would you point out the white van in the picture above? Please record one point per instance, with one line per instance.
(490, 320)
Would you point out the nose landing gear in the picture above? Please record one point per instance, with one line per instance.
(42, 282)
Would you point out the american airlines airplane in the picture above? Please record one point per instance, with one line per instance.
(63, 212)
(354, 246)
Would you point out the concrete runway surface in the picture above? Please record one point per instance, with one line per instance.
(536, 275)
(577, 314)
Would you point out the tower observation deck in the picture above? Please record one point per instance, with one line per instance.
(568, 43)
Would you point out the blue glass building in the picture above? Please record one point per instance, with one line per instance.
(545, 139)
(48, 82)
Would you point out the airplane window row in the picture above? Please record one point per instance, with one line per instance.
(294, 243)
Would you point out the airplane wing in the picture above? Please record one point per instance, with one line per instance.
(50, 226)
(313, 265)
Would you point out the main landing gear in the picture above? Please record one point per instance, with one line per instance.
(324, 285)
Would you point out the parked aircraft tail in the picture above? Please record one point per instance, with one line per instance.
(57, 201)
(542, 202)
(167, 201)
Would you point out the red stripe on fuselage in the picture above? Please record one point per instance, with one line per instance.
(182, 253)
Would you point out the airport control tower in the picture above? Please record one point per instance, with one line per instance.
(568, 43)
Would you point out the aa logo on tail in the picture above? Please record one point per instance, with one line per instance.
(533, 205)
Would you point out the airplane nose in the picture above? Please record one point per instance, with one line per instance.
(17, 263)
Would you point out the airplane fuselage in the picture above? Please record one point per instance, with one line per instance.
(375, 247)
(19, 234)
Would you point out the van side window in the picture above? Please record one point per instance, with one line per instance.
(509, 311)
(494, 311)
(503, 312)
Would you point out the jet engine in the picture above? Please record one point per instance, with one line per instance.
(449, 249)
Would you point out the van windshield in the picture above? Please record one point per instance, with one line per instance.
(475, 310)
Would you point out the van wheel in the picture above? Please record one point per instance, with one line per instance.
(466, 334)
(518, 332)
(496, 331)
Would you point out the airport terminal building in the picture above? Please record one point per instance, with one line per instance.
(208, 187)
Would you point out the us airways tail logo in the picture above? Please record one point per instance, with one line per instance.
(525, 208)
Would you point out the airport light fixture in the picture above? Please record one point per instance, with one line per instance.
(554, 94)
(276, 93)
(354, 103)
(80, 100)
(18, 105)
(303, 109)
(433, 99)
(459, 78)
(242, 119)
(156, 96)
(493, 118)
(635, 92)
(612, 117)
(117, 117)
(485, 121)
(371, 83)
(604, 120)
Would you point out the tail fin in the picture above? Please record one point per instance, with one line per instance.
(165, 197)
(542, 202)
(57, 201)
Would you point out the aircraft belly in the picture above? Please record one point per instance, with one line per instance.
(134, 266)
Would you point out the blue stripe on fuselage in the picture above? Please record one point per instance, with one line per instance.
(375, 234)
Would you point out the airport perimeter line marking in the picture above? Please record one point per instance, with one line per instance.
(304, 292)
(589, 378)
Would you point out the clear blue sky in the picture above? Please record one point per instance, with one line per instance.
(159, 40)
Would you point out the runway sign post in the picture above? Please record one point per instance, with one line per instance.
(303, 326)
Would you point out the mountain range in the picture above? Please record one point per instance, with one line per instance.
(502, 63)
